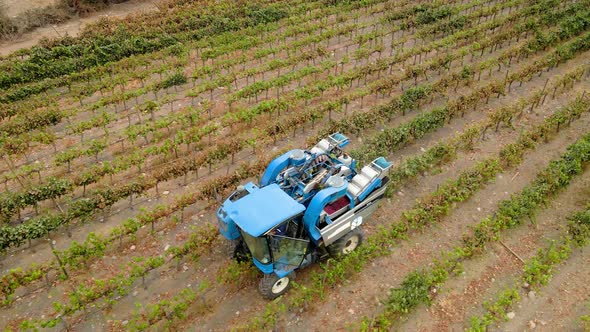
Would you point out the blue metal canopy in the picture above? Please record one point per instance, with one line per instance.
(262, 209)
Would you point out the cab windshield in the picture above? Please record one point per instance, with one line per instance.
(287, 252)
(258, 247)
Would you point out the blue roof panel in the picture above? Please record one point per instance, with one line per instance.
(263, 209)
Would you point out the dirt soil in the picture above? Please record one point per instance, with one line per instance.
(560, 304)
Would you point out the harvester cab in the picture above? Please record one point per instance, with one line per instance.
(309, 204)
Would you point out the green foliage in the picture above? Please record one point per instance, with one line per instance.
(11, 202)
(166, 309)
(431, 15)
(416, 165)
(79, 254)
(30, 121)
(495, 311)
(82, 208)
(263, 15)
(414, 290)
(176, 79)
(579, 228)
(17, 277)
(538, 270)
(438, 204)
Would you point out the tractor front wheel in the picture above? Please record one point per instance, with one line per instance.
(346, 244)
(271, 286)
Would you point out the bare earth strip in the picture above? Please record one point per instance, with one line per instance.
(486, 276)
(560, 304)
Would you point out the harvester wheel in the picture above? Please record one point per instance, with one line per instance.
(271, 286)
(346, 244)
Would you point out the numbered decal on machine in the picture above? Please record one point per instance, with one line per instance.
(356, 222)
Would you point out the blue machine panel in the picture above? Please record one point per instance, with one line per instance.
(263, 209)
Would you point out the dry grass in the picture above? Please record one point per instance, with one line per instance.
(63, 10)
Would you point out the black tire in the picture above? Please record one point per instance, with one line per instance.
(271, 286)
(346, 244)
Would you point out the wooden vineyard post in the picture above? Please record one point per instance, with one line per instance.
(47, 282)
(64, 323)
(541, 102)
(59, 261)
